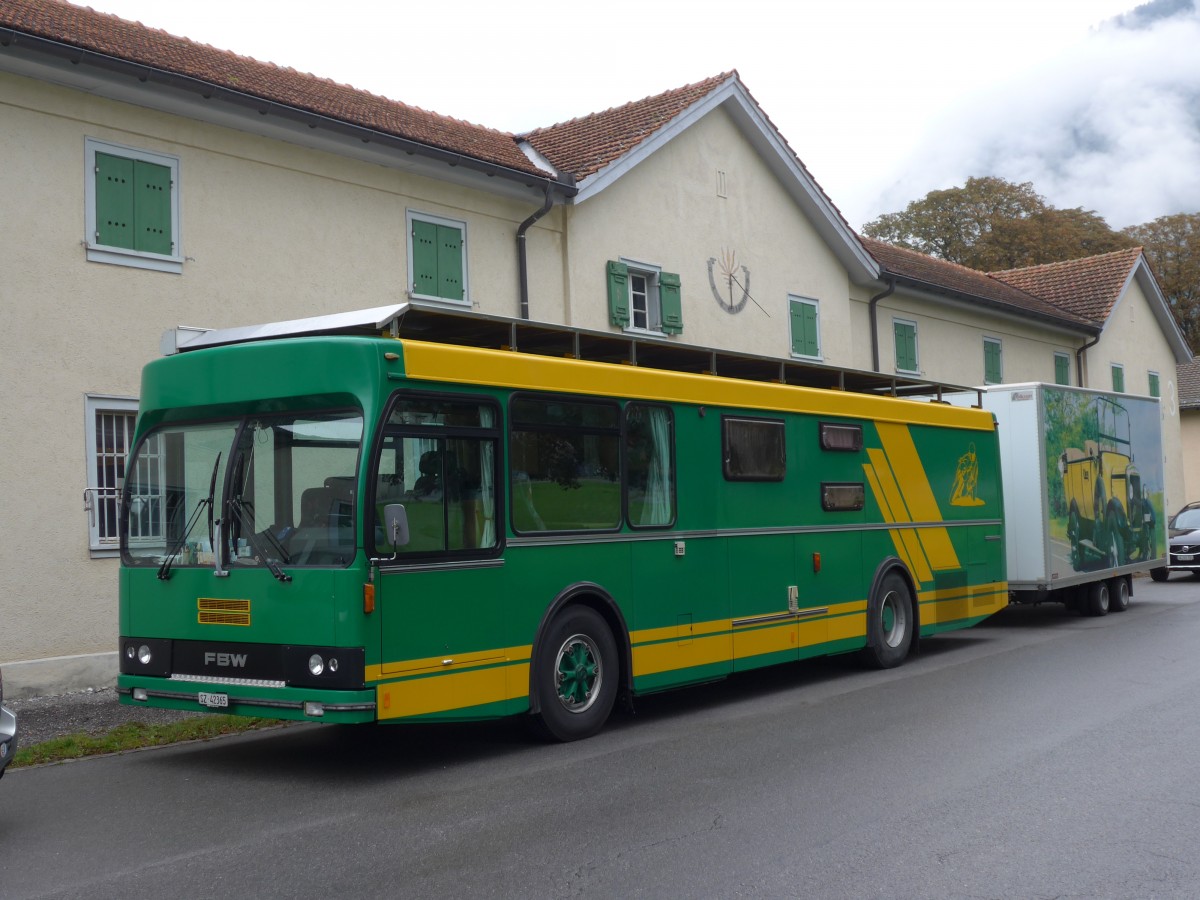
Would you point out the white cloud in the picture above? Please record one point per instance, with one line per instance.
(1113, 124)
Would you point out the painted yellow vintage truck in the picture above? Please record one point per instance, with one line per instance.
(1110, 519)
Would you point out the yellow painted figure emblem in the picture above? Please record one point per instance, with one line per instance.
(966, 480)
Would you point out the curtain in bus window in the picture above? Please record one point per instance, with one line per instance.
(487, 481)
(651, 485)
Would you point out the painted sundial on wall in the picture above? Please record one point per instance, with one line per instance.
(730, 282)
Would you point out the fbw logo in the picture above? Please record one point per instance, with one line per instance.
(228, 660)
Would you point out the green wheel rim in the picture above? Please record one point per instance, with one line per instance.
(578, 673)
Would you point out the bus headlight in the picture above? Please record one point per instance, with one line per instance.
(144, 655)
(316, 665)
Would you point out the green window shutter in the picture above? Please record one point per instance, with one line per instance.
(450, 263)
(425, 258)
(1118, 379)
(670, 303)
(906, 346)
(152, 208)
(805, 334)
(1154, 389)
(114, 201)
(992, 370)
(618, 293)
(1062, 369)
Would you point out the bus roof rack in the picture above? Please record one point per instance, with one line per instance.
(437, 324)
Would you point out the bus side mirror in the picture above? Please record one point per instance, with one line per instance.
(395, 522)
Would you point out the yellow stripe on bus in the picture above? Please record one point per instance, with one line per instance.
(456, 690)
(504, 368)
(896, 511)
(918, 495)
(657, 650)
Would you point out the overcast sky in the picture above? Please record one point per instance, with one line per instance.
(1097, 102)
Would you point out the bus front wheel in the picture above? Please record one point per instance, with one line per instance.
(890, 623)
(575, 675)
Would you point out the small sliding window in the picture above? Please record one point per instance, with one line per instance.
(836, 436)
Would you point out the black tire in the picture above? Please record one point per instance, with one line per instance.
(890, 623)
(1119, 594)
(575, 675)
(1098, 599)
(1160, 573)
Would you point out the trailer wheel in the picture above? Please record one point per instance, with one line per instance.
(575, 675)
(1119, 594)
(1097, 599)
(889, 623)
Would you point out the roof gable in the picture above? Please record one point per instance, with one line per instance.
(1089, 287)
(585, 145)
(1094, 285)
(598, 149)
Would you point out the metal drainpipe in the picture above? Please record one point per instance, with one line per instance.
(874, 326)
(522, 252)
(1079, 360)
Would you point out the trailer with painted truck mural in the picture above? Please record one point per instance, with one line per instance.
(406, 514)
(1083, 492)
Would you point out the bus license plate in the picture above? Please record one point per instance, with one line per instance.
(214, 701)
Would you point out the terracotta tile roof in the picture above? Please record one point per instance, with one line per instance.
(948, 276)
(109, 35)
(1087, 287)
(586, 145)
(1188, 377)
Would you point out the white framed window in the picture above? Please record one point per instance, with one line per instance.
(642, 297)
(1153, 384)
(132, 207)
(805, 315)
(437, 258)
(108, 432)
(904, 331)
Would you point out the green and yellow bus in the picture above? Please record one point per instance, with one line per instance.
(407, 515)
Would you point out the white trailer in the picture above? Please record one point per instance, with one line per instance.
(1083, 492)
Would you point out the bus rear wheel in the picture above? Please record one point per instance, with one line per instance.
(575, 675)
(890, 623)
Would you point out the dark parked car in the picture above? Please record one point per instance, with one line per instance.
(8, 731)
(1184, 536)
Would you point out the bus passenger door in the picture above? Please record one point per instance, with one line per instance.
(439, 595)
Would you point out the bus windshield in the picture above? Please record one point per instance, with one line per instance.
(271, 490)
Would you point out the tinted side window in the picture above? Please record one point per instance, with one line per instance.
(565, 470)
(753, 449)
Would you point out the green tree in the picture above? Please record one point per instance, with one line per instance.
(1172, 246)
(991, 224)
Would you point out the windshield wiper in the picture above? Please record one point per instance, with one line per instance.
(256, 545)
(164, 571)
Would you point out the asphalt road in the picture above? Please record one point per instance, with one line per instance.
(1038, 755)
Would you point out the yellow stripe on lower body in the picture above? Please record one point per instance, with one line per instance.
(453, 690)
(956, 604)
